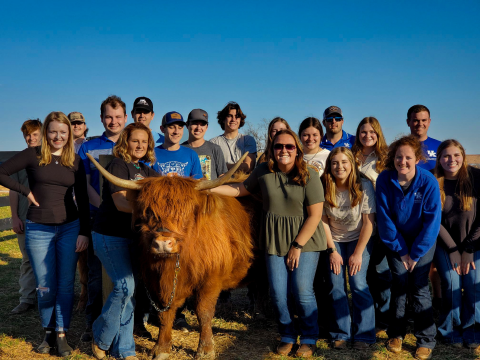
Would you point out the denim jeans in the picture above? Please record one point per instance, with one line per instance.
(51, 249)
(113, 329)
(298, 284)
(379, 280)
(456, 315)
(94, 284)
(361, 325)
(415, 283)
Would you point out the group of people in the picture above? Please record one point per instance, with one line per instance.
(333, 204)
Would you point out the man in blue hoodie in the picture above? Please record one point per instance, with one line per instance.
(409, 212)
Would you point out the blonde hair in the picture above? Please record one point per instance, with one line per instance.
(354, 183)
(120, 149)
(465, 187)
(381, 148)
(68, 151)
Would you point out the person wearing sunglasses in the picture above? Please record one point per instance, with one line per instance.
(292, 236)
(335, 136)
(79, 129)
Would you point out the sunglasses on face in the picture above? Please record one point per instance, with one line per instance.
(330, 119)
(76, 123)
(288, 147)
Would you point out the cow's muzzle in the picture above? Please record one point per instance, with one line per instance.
(163, 246)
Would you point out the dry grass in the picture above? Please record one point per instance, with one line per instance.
(237, 336)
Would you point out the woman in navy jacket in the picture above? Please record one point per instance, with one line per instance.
(408, 216)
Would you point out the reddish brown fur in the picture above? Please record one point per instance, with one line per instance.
(214, 241)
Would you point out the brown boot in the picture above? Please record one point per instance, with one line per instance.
(306, 350)
(394, 345)
(284, 348)
(97, 352)
(339, 344)
(423, 353)
(360, 345)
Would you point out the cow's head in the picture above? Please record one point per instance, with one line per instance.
(166, 208)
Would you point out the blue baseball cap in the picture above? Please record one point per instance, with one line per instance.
(172, 117)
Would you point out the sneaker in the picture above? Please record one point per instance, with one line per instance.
(423, 353)
(339, 344)
(394, 345)
(87, 335)
(360, 345)
(306, 350)
(284, 348)
(22, 308)
(181, 324)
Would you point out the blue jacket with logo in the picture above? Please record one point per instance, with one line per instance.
(410, 223)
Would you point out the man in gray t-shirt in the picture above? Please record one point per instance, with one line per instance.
(210, 155)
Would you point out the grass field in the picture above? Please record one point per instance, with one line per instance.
(237, 336)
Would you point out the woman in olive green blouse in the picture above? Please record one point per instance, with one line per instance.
(291, 236)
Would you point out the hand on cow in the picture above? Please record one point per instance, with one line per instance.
(82, 243)
(293, 258)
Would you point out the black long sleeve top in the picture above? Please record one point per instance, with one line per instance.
(52, 186)
(463, 227)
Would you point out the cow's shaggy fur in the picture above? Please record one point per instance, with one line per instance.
(213, 236)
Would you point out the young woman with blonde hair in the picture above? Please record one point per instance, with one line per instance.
(457, 257)
(349, 212)
(56, 231)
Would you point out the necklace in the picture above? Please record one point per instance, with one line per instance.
(305, 156)
(55, 158)
(136, 166)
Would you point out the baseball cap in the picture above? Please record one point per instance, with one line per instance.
(172, 117)
(197, 115)
(76, 116)
(332, 110)
(143, 102)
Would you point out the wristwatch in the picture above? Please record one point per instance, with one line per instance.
(297, 245)
(331, 250)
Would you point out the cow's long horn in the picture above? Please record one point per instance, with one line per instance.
(210, 184)
(126, 184)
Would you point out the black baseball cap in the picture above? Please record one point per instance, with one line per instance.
(143, 102)
(198, 115)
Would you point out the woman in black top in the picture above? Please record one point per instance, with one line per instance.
(112, 239)
(55, 230)
(457, 256)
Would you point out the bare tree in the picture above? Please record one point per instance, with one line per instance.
(259, 132)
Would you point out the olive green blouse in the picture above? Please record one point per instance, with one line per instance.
(285, 209)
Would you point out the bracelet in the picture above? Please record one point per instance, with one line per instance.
(452, 250)
(297, 245)
(331, 250)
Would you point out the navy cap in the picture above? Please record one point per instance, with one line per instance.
(172, 117)
(332, 110)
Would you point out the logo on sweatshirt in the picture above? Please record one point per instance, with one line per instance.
(431, 154)
(347, 145)
(418, 197)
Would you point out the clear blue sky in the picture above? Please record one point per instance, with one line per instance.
(276, 58)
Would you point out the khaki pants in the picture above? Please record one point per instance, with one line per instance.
(27, 278)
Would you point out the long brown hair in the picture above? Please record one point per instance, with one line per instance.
(263, 158)
(354, 183)
(408, 140)
(120, 149)
(464, 185)
(300, 171)
(381, 148)
(68, 151)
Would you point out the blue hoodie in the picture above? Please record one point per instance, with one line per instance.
(410, 223)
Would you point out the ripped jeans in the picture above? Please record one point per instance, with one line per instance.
(113, 329)
(51, 249)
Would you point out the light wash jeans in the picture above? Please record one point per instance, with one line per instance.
(113, 329)
(299, 284)
(51, 249)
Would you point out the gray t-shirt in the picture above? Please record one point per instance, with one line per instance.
(211, 159)
(233, 149)
(346, 222)
(21, 177)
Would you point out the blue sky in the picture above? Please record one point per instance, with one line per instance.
(275, 58)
